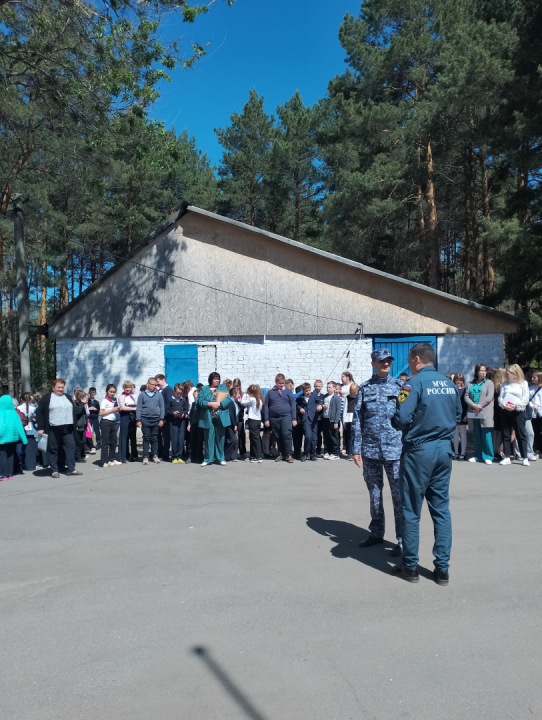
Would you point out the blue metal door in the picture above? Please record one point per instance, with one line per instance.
(181, 362)
(400, 346)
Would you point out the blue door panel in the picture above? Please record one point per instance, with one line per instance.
(181, 363)
(400, 346)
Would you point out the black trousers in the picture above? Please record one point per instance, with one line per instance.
(164, 441)
(513, 419)
(537, 429)
(80, 444)
(94, 420)
(7, 459)
(109, 440)
(176, 434)
(127, 437)
(231, 444)
(61, 438)
(255, 439)
(331, 437)
(241, 437)
(319, 435)
(196, 444)
(297, 439)
(282, 427)
(149, 428)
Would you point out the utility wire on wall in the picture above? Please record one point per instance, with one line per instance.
(211, 287)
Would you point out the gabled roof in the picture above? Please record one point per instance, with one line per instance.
(186, 208)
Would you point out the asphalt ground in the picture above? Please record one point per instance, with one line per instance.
(178, 592)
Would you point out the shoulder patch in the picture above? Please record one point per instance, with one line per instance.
(404, 393)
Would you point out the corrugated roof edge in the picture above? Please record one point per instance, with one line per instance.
(185, 208)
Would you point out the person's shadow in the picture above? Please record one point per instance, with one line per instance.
(347, 538)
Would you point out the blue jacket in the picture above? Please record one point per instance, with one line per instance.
(374, 436)
(180, 405)
(311, 413)
(276, 405)
(205, 418)
(428, 409)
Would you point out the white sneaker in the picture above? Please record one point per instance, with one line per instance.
(506, 461)
(260, 460)
(115, 462)
(472, 460)
(333, 457)
(326, 456)
(526, 462)
(488, 462)
(145, 461)
(110, 464)
(204, 464)
(223, 462)
(92, 451)
(532, 458)
(156, 460)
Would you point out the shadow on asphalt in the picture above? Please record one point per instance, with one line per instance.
(347, 538)
(227, 683)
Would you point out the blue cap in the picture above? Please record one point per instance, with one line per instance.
(381, 354)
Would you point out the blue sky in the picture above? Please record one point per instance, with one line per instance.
(276, 47)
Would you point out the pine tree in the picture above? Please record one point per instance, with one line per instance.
(246, 160)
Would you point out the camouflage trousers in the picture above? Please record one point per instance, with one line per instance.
(373, 474)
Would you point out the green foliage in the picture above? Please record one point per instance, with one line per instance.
(76, 80)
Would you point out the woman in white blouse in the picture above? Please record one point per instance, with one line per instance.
(513, 399)
(253, 401)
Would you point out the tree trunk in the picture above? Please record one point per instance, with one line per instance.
(472, 220)
(430, 231)
(63, 298)
(9, 338)
(81, 271)
(101, 257)
(42, 313)
(488, 272)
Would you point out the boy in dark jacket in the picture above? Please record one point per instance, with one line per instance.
(80, 406)
(309, 409)
(196, 433)
(176, 414)
(280, 414)
(297, 432)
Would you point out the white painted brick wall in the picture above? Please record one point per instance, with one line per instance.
(96, 363)
(460, 353)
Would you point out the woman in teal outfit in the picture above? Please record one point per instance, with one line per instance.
(214, 418)
(11, 433)
(480, 399)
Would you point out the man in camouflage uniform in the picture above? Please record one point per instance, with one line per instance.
(379, 444)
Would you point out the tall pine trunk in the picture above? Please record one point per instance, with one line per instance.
(63, 298)
(488, 271)
(430, 230)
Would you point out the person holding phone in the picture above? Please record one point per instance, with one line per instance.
(109, 413)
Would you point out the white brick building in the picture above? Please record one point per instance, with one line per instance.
(206, 293)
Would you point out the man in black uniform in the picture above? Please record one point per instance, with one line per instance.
(428, 409)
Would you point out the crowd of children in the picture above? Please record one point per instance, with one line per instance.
(285, 422)
(168, 418)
